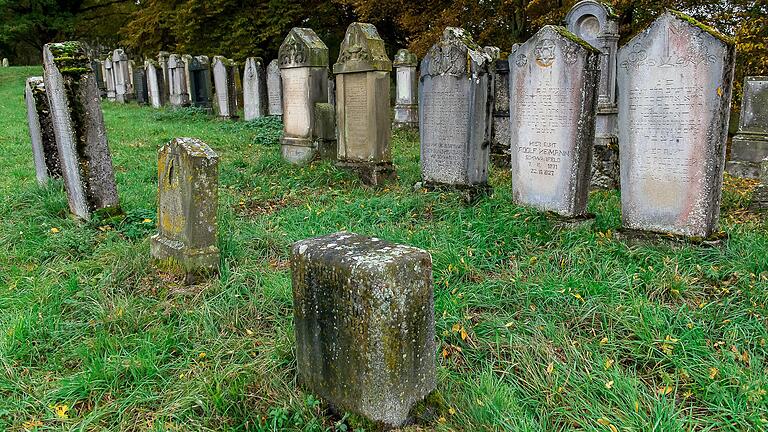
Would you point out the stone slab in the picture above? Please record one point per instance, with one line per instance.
(44, 151)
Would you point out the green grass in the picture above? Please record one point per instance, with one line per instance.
(566, 328)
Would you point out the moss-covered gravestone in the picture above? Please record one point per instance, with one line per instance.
(274, 89)
(362, 104)
(254, 89)
(44, 150)
(177, 75)
(364, 322)
(750, 145)
(224, 71)
(406, 90)
(78, 125)
(188, 196)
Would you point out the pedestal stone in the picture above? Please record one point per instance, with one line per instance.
(750, 145)
(224, 71)
(109, 79)
(364, 322)
(44, 150)
(179, 95)
(274, 89)
(155, 84)
(406, 90)
(255, 89)
(675, 79)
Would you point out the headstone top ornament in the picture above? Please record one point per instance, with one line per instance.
(302, 48)
(362, 50)
(456, 54)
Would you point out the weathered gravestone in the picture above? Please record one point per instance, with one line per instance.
(455, 112)
(179, 94)
(364, 322)
(140, 85)
(331, 89)
(362, 104)
(109, 78)
(494, 53)
(78, 125)
(155, 83)
(224, 71)
(308, 122)
(44, 150)
(98, 70)
(596, 23)
(123, 89)
(553, 84)
(675, 83)
(500, 139)
(188, 196)
(5, 62)
(162, 62)
(274, 89)
(750, 145)
(406, 90)
(254, 89)
(760, 193)
(198, 75)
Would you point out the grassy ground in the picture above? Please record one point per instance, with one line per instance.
(540, 326)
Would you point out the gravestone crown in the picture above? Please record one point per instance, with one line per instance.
(362, 50)
(455, 54)
(553, 44)
(592, 19)
(405, 58)
(175, 61)
(302, 48)
(119, 55)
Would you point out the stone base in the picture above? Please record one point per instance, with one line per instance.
(571, 222)
(371, 174)
(406, 116)
(470, 193)
(747, 151)
(759, 198)
(301, 151)
(633, 236)
(191, 263)
(743, 169)
(605, 163)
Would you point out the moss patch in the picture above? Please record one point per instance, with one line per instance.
(571, 36)
(694, 22)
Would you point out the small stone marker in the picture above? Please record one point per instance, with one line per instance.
(199, 78)
(155, 84)
(78, 125)
(407, 90)
(44, 150)
(500, 138)
(598, 25)
(750, 145)
(455, 112)
(553, 80)
(362, 104)
(188, 196)
(162, 62)
(365, 328)
(123, 89)
(254, 89)
(178, 81)
(109, 78)
(5, 62)
(308, 121)
(274, 89)
(140, 86)
(675, 79)
(224, 71)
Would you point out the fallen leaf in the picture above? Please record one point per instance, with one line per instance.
(550, 368)
(713, 371)
(609, 384)
(54, 230)
(608, 364)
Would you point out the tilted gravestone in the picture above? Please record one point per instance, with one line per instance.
(500, 139)
(179, 94)
(123, 89)
(553, 83)
(188, 183)
(78, 125)
(455, 112)
(254, 89)
(597, 24)
(140, 86)
(406, 90)
(44, 151)
(274, 89)
(675, 83)
(308, 121)
(109, 78)
(364, 323)
(362, 104)
(224, 71)
(162, 62)
(199, 79)
(750, 145)
(155, 84)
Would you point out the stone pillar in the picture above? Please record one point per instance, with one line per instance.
(199, 78)
(362, 104)
(675, 79)
(274, 89)
(303, 60)
(254, 89)
(407, 90)
(750, 145)
(155, 84)
(597, 24)
(123, 89)
(78, 125)
(109, 78)
(455, 112)
(500, 135)
(140, 85)
(365, 327)
(188, 191)
(162, 62)
(179, 96)
(44, 150)
(224, 83)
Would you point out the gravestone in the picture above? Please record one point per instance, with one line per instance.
(5, 62)
(179, 96)
(255, 89)
(274, 89)
(155, 84)
(199, 78)
(675, 79)
(140, 86)
(98, 71)
(494, 53)
(364, 321)
(162, 62)
(224, 81)
(500, 139)
(597, 24)
(760, 193)
(308, 122)
(109, 78)
(78, 124)
(553, 83)
(407, 90)
(750, 145)
(455, 112)
(362, 104)
(44, 151)
(331, 90)
(188, 192)
(123, 89)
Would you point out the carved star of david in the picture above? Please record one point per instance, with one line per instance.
(545, 52)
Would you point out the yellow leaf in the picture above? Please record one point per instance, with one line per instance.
(550, 368)
(54, 230)
(441, 420)
(609, 384)
(61, 410)
(665, 390)
(479, 402)
(608, 364)
(31, 424)
(146, 221)
(713, 371)
(463, 334)
(451, 411)
(456, 328)
(201, 355)
(249, 332)
(637, 406)
(603, 341)
(603, 421)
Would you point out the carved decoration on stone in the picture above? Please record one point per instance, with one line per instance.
(545, 52)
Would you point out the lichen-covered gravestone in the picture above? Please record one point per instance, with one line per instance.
(162, 62)
(123, 88)
(308, 121)
(750, 145)
(455, 112)
(224, 71)
(155, 83)
(597, 24)
(675, 83)
(406, 90)
(362, 104)
(109, 78)
(198, 74)
(179, 94)
(364, 322)
(78, 125)
(254, 89)
(44, 150)
(553, 84)
(274, 89)
(188, 191)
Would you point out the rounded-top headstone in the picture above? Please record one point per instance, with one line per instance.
(362, 50)
(302, 48)
(405, 58)
(590, 19)
(119, 55)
